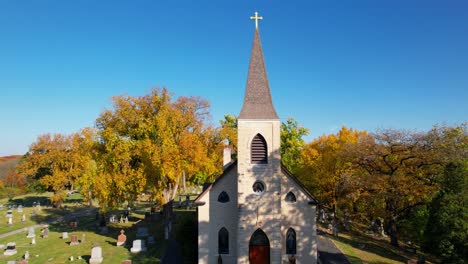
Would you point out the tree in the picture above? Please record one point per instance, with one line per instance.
(55, 162)
(149, 142)
(327, 171)
(399, 171)
(448, 224)
(292, 143)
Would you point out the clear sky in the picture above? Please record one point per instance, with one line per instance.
(364, 64)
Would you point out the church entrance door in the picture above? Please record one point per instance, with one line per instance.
(259, 248)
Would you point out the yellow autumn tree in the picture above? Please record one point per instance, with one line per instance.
(56, 162)
(327, 171)
(147, 143)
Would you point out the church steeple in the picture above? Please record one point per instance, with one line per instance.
(257, 100)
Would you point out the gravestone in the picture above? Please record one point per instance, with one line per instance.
(11, 249)
(20, 209)
(83, 238)
(26, 255)
(121, 239)
(121, 219)
(23, 218)
(9, 213)
(33, 241)
(151, 240)
(33, 212)
(113, 218)
(126, 219)
(142, 232)
(74, 240)
(64, 235)
(10, 221)
(31, 232)
(138, 246)
(322, 216)
(45, 232)
(96, 255)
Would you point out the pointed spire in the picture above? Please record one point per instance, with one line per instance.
(257, 100)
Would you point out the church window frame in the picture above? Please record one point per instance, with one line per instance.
(223, 197)
(258, 150)
(291, 242)
(290, 197)
(259, 187)
(223, 241)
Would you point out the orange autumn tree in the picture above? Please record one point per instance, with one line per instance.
(148, 143)
(56, 162)
(326, 170)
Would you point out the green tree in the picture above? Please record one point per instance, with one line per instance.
(292, 143)
(448, 217)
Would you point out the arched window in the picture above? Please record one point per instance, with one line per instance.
(290, 197)
(291, 242)
(223, 241)
(223, 197)
(259, 150)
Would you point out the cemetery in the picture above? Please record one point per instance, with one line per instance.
(135, 241)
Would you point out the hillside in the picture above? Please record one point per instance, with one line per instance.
(7, 163)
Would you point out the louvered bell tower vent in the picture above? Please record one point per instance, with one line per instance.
(259, 150)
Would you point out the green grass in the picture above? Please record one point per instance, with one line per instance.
(56, 250)
(360, 248)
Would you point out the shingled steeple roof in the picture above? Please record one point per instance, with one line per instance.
(257, 100)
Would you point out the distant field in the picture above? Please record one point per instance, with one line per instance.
(7, 163)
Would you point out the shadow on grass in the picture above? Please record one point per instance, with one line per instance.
(30, 200)
(369, 245)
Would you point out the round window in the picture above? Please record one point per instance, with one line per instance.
(258, 187)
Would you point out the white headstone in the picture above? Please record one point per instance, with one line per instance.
(23, 218)
(20, 209)
(96, 255)
(33, 241)
(26, 255)
(31, 232)
(138, 246)
(64, 235)
(11, 249)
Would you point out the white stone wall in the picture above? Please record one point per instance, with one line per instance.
(259, 211)
(215, 215)
(301, 217)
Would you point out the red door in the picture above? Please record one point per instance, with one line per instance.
(259, 255)
(259, 248)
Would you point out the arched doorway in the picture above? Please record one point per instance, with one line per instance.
(259, 248)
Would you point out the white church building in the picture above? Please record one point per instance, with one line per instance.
(257, 211)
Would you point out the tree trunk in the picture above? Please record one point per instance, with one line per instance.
(392, 230)
(169, 194)
(90, 198)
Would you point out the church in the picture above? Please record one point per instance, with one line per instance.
(256, 211)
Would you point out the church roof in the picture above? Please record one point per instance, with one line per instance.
(257, 100)
(228, 168)
(286, 172)
(233, 165)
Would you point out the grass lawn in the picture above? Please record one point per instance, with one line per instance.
(54, 249)
(360, 248)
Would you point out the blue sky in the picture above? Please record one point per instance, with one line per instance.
(364, 64)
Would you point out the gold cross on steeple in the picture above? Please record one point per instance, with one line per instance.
(256, 18)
